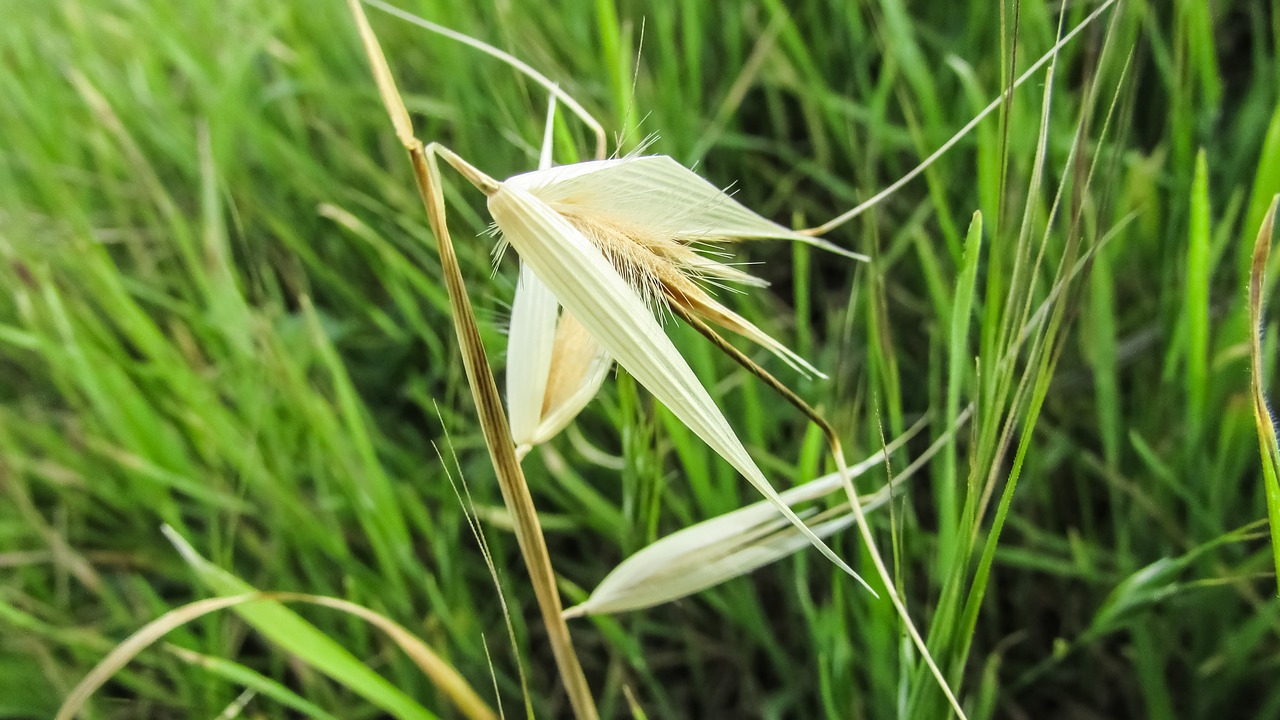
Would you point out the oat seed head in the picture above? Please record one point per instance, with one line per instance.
(660, 225)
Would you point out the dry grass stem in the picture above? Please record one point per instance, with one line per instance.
(502, 452)
(445, 677)
(597, 130)
(484, 390)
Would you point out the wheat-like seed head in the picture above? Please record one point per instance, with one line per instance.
(708, 553)
(596, 293)
(659, 225)
(661, 228)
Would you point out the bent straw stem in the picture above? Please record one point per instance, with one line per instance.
(484, 389)
(497, 435)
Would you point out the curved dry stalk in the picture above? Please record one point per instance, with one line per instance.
(833, 441)
(445, 677)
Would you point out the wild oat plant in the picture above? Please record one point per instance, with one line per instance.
(267, 406)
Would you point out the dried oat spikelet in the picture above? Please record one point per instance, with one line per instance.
(658, 223)
(584, 278)
(708, 553)
(554, 366)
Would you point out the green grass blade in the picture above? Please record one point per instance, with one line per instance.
(958, 363)
(1269, 445)
(1196, 309)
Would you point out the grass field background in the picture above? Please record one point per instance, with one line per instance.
(223, 312)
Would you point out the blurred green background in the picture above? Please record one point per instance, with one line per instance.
(223, 312)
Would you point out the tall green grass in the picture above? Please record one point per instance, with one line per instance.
(223, 313)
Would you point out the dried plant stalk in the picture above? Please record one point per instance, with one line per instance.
(444, 676)
(502, 452)
(484, 390)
